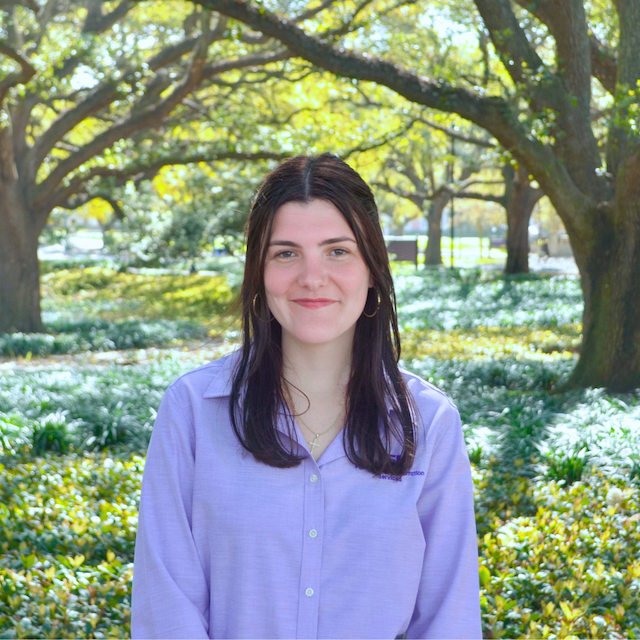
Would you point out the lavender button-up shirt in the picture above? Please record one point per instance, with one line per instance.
(228, 547)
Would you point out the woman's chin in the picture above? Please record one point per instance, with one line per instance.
(313, 337)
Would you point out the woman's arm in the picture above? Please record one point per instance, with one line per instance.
(170, 597)
(448, 602)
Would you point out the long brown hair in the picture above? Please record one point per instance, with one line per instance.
(256, 393)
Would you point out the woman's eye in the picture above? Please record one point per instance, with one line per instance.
(283, 254)
(344, 251)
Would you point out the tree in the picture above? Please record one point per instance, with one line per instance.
(93, 94)
(424, 173)
(180, 213)
(545, 54)
(518, 198)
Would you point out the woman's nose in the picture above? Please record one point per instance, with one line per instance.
(312, 272)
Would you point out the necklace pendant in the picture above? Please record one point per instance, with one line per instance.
(313, 444)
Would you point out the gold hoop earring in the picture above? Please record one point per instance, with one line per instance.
(378, 307)
(253, 305)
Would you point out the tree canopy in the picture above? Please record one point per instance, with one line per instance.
(97, 95)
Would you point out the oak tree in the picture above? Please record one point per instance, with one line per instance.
(554, 61)
(95, 93)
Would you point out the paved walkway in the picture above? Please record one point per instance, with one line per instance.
(544, 266)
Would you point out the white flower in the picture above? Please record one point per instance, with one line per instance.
(614, 496)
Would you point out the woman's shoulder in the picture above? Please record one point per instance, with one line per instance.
(209, 380)
(438, 413)
(426, 392)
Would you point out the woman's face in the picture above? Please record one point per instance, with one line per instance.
(315, 277)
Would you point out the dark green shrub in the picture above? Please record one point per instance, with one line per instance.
(76, 336)
(567, 466)
(52, 433)
(475, 455)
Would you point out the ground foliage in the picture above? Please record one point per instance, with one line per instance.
(112, 295)
(556, 472)
(101, 309)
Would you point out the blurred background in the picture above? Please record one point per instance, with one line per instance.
(501, 140)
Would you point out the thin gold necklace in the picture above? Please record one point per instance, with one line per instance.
(314, 443)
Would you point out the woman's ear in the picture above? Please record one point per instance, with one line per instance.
(370, 281)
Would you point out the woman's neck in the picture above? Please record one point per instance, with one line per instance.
(321, 371)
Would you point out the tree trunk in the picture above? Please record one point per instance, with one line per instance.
(610, 271)
(433, 251)
(19, 267)
(520, 198)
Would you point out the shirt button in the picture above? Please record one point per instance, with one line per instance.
(309, 591)
(313, 478)
(313, 533)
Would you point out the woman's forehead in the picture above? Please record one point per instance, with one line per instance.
(309, 219)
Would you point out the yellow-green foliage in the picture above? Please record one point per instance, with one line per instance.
(554, 561)
(568, 569)
(110, 295)
(69, 527)
(492, 342)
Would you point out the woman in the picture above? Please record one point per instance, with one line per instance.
(304, 486)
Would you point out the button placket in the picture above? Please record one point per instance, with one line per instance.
(312, 522)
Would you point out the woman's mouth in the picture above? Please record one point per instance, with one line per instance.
(310, 303)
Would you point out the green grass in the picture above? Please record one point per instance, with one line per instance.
(556, 473)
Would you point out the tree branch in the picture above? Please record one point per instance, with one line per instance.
(96, 22)
(567, 21)
(136, 170)
(253, 60)
(417, 197)
(628, 60)
(310, 13)
(510, 41)
(491, 113)
(138, 120)
(27, 68)
(575, 143)
(29, 4)
(13, 79)
(474, 195)
(458, 136)
(105, 94)
(603, 65)
(380, 143)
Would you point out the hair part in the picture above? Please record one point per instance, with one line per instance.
(257, 396)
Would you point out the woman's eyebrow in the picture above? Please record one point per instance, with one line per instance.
(289, 243)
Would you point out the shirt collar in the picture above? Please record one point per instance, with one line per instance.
(220, 385)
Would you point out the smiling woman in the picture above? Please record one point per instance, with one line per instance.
(370, 533)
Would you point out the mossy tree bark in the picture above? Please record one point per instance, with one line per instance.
(19, 269)
(609, 263)
(433, 250)
(519, 200)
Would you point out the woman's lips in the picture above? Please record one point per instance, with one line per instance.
(314, 304)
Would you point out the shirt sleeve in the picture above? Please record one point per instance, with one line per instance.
(170, 594)
(448, 600)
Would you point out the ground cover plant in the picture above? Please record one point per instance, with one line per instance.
(100, 309)
(111, 295)
(556, 472)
